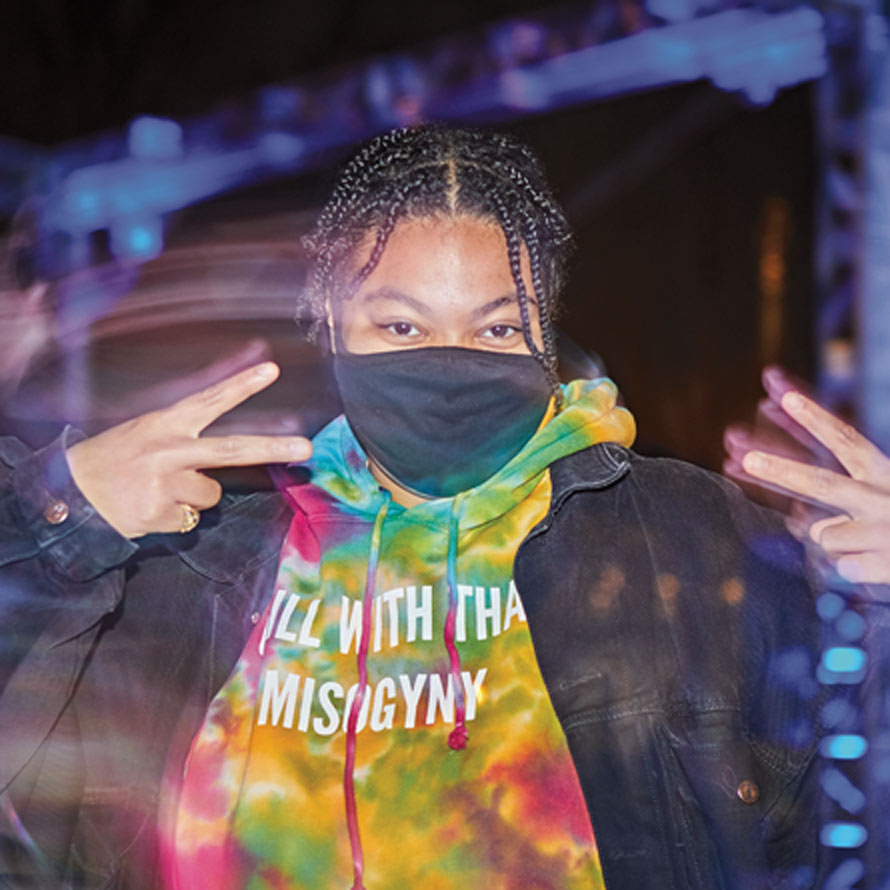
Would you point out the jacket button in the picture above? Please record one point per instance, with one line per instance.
(254, 617)
(748, 791)
(56, 513)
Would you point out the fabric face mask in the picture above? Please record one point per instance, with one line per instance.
(440, 420)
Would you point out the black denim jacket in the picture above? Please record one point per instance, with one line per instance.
(678, 639)
(661, 603)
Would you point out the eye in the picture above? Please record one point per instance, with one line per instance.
(501, 331)
(401, 329)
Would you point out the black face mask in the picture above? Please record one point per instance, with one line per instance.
(440, 420)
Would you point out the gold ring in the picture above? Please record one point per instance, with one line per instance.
(190, 518)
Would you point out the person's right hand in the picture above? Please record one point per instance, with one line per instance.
(141, 474)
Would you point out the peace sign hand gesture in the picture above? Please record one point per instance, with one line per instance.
(857, 538)
(143, 475)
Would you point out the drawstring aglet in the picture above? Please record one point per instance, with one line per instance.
(457, 738)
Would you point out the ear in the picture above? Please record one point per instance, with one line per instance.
(329, 324)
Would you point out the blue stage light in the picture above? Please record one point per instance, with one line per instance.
(841, 790)
(851, 626)
(829, 606)
(844, 835)
(141, 239)
(839, 714)
(843, 877)
(842, 665)
(845, 746)
(844, 659)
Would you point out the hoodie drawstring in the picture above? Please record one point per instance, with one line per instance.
(355, 840)
(457, 738)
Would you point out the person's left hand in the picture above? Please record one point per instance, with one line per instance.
(857, 538)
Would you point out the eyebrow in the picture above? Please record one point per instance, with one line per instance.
(505, 300)
(392, 294)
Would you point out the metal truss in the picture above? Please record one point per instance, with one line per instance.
(128, 183)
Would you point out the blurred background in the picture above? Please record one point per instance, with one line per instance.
(726, 166)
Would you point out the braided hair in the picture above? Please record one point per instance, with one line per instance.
(432, 171)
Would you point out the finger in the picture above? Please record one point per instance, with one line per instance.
(808, 513)
(865, 568)
(777, 381)
(199, 490)
(261, 423)
(739, 439)
(799, 520)
(170, 519)
(164, 511)
(734, 469)
(769, 495)
(195, 412)
(851, 536)
(193, 490)
(802, 517)
(816, 530)
(737, 442)
(803, 445)
(245, 358)
(813, 484)
(859, 457)
(245, 451)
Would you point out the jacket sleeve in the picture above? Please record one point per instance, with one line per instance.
(61, 573)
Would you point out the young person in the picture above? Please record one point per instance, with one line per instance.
(473, 641)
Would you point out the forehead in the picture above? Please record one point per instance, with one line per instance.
(454, 241)
(453, 261)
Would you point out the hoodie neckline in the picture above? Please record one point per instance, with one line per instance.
(589, 415)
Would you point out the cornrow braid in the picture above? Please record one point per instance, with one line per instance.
(384, 230)
(547, 332)
(435, 171)
(514, 255)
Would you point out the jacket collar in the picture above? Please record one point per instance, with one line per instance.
(596, 467)
(592, 469)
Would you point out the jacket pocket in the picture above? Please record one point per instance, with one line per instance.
(673, 797)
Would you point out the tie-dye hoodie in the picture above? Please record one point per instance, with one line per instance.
(386, 725)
